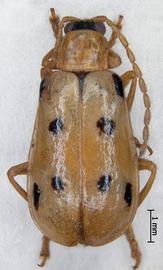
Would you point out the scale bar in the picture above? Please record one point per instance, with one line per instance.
(150, 226)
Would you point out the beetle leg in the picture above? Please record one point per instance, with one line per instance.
(148, 165)
(20, 169)
(131, 94)
(48, 63)
(138, 144)
(49, 60)
(126, 78)
(45, 253)
(135, 252)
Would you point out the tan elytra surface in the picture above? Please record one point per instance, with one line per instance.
(80, 154)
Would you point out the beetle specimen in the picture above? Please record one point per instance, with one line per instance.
(83, 165)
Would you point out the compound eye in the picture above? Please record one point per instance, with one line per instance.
(69, 27)
(100, 27)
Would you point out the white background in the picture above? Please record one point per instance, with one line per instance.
(25, 36)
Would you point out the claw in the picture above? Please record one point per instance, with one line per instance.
(137, 258)
(136, 254)
(143, 149)
(137, 263)
(150, 150)
(44, 258)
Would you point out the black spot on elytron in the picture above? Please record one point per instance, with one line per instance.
(104, 183)
(57, 184)
(128, 194)
(118, 85)
(105, 125)
(36, 195)
(42, 87)
(56, 126)
(85, 25)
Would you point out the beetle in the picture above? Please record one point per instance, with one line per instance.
(83, 165)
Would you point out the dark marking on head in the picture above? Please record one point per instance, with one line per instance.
(85, 25)
(56, 126)
(57, 184)
(128, 194)
(42, 87)
(104, 183)
(100, 27)
(106, 126)
(36, 195)
(118, 85)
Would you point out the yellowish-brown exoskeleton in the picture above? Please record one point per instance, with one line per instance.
(83, 166)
